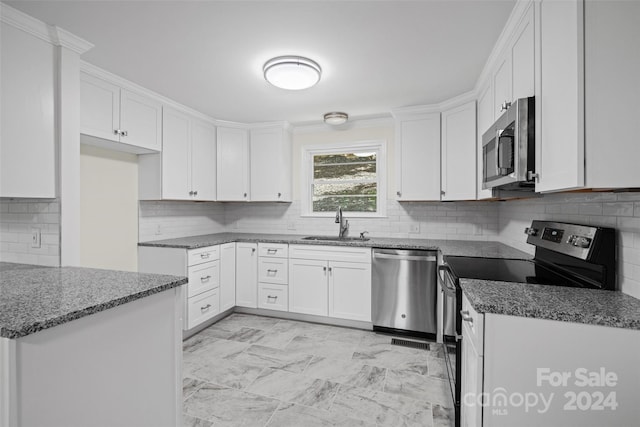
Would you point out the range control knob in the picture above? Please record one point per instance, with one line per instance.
(579, 241)
(531, 231)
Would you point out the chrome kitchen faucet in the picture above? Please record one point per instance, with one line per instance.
(344, 224)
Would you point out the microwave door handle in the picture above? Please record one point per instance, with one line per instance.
(498, 168)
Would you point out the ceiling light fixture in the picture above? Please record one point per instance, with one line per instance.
(336, 118)
(292, 72)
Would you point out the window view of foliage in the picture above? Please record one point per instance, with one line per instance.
(348, 180)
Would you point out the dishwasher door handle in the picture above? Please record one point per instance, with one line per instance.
(451, 290)
(405, 257)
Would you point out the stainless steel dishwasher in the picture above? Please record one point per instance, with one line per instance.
(404, 289)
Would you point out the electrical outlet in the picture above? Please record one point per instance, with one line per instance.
(36, 241)
(414, 228)
(291, 225)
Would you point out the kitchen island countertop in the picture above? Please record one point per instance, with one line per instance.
(33, 298)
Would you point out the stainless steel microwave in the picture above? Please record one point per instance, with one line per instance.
(508, 149)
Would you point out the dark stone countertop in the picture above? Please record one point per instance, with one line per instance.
(33, 298)
(472, 248)
(588, 306)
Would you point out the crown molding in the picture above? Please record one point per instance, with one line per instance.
(49, 33)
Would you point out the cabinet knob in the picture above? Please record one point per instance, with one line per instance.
(124, 133)
(245, 195)
(279, 195)
(116, 131)
(442, 192)
(191, 193)
(195, 193)
(505, 105)
(398, 193)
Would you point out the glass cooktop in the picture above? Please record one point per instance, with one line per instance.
(506, 270)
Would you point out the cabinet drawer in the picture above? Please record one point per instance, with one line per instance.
(330, 253)
(200, 255)
(273, 270)
(203, 277)
(473, 323)
(275, 250)
(202, 307)
(273, 297)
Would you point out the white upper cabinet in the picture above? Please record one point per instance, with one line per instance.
(270, 163)
(522, 52)
(28, 135)
(459, 152)
(417, 156)
(232, 164)
(186, 168)
(116, 115)
(485, 120)
(501, 82)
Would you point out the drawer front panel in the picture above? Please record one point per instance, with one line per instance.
(203, 277)
(275, 250)
(273, 270)
(273, 297)
(330, 253)
(202, 307)
(201, 255)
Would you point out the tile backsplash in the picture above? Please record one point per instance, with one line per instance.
(617, 210)
(18, 217)
(170, 219)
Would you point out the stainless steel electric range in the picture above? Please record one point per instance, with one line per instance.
(565, 255)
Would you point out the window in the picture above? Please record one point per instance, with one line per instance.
(345, 175)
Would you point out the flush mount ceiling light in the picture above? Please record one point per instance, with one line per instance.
(292, 72)
(336, 118)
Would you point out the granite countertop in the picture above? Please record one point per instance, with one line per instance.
(472, 248)
(33, 298)
(588, 306)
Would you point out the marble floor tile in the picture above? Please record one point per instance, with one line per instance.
(416, 386)
(443, 417)
(393, 357)
(208, 353)
(238, 321)
(189, 421)
(345, 371)
(381, 408)
(294, 388)
(249, 335)
(217, 331)
(326, 348)
(437, 368)
(269, 357)
(311, 330)
(190, 386)
(228, 373)
(228, 407)
(346, 335)
(292, 415)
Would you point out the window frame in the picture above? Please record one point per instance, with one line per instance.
(306, 176)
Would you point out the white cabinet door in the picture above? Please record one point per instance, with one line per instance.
(523, 58)
(418, 158)
(232, 164)
(350, 291)
(501, 85)
(27, 123)
(227, 276)
(247, 275)
(560, 97)
(308, 286)
(472, 387)
(175, 155)
(459, 153)
(141, 120)
(100, 112)
(270, 165)
(485, 120)
(203, 160)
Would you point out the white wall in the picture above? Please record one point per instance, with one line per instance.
(17, 218)
(108, 209)
(617, 210)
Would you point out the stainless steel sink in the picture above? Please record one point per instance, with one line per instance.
(336, 239)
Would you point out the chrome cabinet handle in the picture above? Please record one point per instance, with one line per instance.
(272, 271)
(279, 195)
(245, 195)
(124, 133)
(399, 193)
(116, 131)
(271, 297)
(466, 317)
(205, 255)
(505, 106)
(442, 192)
(325, 270)
(205, 308)
(532, 176)
(191, 193)
(205, 278)
(253, 250)
(272, 251)
(195, 193)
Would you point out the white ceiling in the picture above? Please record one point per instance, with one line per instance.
(208, 55)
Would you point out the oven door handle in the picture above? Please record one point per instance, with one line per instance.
(444, 268)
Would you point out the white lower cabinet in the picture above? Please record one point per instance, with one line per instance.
(321, 284)
(273, 297)
(247, 275)
(227, 276)
(201, 266)
(472, 366)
